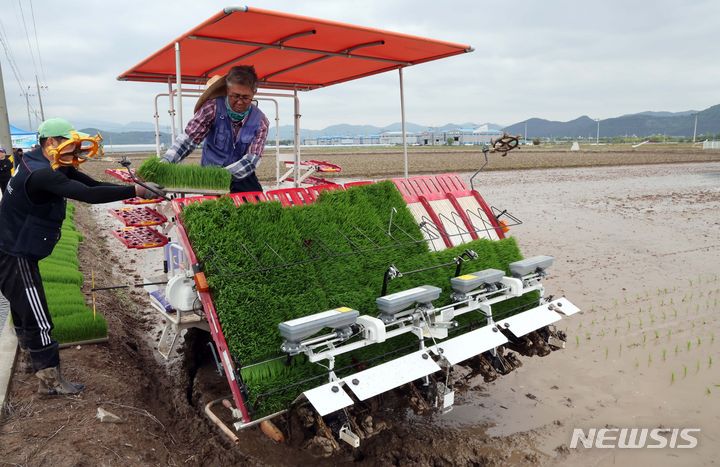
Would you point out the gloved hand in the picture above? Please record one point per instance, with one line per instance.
(156, 192)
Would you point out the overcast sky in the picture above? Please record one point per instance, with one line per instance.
(554, 59)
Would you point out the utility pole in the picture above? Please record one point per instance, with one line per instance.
(27, 105)
(597, 137)
(526, 130)
(5, 139)
(695, 129)
(42, 112)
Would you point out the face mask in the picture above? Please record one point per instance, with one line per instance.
(235, 116)
(75, 150)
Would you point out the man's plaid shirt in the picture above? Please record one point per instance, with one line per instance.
(198, 128)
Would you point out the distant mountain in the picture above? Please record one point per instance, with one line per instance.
(344, 129)
(119, 127)
(640, 124)
(128, 137)
(664, 114)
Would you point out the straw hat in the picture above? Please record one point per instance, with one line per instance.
(215, 87)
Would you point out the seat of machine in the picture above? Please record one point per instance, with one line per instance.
(469, 282)
(530, 265)
(399, 301)
(298, 329)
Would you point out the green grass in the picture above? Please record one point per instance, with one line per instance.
(184, 175)
(73, 319)
(248, 253)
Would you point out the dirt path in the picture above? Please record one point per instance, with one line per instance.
(160, 426)
(636, 248)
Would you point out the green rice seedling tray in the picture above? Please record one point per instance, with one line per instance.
(267, 264)
(73, 320)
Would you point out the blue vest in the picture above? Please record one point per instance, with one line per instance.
(29, 230)
(220, 147)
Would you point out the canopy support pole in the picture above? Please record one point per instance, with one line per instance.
(402, 123)
(179, 85)
(171, 111)
(277, 140)
(296, 142)
(156, 117)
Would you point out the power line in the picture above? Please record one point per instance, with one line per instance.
(13, 65)
(37, 45)
(27, 37)
(24, 88)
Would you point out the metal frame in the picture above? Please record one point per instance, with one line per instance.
(178, 94)
(191, 93)
(216, 332)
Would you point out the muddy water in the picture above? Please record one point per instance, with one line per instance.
(638, 249)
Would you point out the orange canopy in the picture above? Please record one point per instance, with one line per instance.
(288, 51)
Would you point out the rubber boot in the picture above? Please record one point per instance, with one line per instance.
(52, 383)
(24, 363)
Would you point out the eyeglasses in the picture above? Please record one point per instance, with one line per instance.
(240, 97)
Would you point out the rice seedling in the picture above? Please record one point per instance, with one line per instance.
(685, 370)
(79, 326)
(72, 318)
(672, 378)
(184, 175)
(664, 355)
(710, 361)
(283, 238)
(707, 391)
(689, 344)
